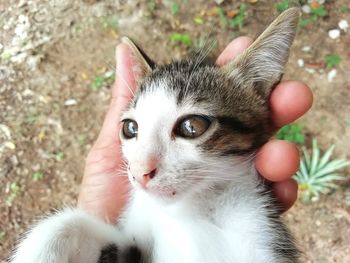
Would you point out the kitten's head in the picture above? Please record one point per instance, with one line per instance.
(192, 125)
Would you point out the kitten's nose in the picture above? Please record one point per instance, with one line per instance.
(145, 170)
(147, 177)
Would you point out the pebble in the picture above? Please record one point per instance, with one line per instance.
(310, 70)
(70, 102)
(300, 62)
(331, 75)
(22, 27)
(343, 25)
(306, 48)
(334, 33)
(306, 9)
(5, 131)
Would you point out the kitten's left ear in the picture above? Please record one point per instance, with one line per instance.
(142, 64)
(262, 64)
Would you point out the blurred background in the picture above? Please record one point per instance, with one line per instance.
(57, 65)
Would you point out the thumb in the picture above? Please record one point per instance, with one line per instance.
(103, 192)
(122, 92)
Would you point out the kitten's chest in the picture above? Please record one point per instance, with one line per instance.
(175, 232)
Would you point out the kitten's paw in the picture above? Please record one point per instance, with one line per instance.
(68, 236)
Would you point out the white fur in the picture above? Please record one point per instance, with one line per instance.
(215, 216)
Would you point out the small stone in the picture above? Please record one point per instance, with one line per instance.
(334, 33)
(343, 25)
(306, 9)
(5, 131)
(331, 75)
(1, 46)
(318, 223)
(14, 160)
(306, 48)
(311, 71)
(10, 145)
(300, 62)
(70, 102)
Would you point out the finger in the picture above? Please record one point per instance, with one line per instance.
(104, 195)
(286, 193)
(277, 160)
(289, 101)
(122, 92)
(236, 47)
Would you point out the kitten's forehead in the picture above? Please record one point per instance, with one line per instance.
(158, 106)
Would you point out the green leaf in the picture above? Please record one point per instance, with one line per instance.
(182, 38)
(325, 158)
(282, 5)
(198, 20)
(103, 80)
(292, 133)
(314, 157)
(319, 11)
(37, 176)
(175, 8)
(222, 16)
(332, 60)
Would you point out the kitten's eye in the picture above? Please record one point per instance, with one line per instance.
(192, 126)
(130, 129)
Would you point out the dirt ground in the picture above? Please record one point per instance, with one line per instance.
(50, 115)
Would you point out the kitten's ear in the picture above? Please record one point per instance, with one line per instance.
(142, 64)
(262, 64)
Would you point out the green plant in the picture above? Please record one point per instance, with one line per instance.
(315, 13)
(347, 197)
(175, 8)
(37, 176)
(151, 6)
(332, 60)
(282, 5)
(343, 9)
(82, 139)
(110, 22)
(2, 235)
(291, 132)
(317, 174)
(14, 191)
(237, 21)
(59, 156)
(103, 80)
(184, 39)
(347, 122)
(205, 44)
(32, 118)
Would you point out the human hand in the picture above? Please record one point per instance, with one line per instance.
(104, 193)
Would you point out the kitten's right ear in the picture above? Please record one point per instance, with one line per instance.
(142, 64)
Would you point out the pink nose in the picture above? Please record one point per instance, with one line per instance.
(146, 178)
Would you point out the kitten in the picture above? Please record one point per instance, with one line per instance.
(189, 137)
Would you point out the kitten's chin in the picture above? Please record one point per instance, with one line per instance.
(165, 196)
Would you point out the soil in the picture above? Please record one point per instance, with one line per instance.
(50, 115)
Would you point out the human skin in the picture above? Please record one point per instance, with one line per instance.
(103, 193)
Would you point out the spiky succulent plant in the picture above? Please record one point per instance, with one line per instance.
(347, 197)
(318, 174)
